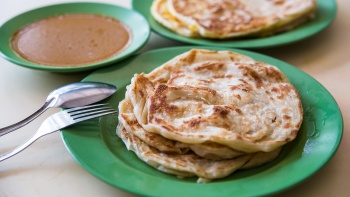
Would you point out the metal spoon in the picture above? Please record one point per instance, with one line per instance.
(71, 95)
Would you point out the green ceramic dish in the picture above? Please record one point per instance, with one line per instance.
(95, 146)
(325, 14)
(137, 23)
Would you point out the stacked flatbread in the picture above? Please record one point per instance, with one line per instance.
(221, 19)
(209, 113)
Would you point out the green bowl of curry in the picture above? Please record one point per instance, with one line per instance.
(73, 37)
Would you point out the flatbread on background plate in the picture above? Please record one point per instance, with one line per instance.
(222, 19)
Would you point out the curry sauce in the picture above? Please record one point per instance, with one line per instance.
(71, 40)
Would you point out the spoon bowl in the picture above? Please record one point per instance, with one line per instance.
(72, 95)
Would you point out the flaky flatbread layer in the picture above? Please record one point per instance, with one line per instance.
(206, 150)
(189, 165)
(220, 97)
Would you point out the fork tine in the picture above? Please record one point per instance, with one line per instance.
(80, 114)
(85, 107)
(88, 110)
(96, 115)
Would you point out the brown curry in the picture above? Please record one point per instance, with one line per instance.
(71, 40)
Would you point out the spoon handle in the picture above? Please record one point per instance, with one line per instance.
(8, 129)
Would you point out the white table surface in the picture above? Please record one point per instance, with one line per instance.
(47, 169)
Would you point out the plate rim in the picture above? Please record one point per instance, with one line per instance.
(140, 36)
(65, 133)
(272, 41)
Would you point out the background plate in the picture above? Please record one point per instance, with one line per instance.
(324, 16)
(140, 31)
(95, 146)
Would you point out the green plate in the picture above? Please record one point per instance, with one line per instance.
(140, 31)
(96, 147)
(325, 14)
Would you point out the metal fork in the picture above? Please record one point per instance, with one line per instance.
(62, 120)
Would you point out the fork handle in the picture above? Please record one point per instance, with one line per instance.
(13, 152)
(8, 129)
